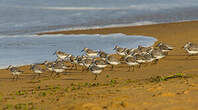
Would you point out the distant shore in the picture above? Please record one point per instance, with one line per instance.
(134, 96)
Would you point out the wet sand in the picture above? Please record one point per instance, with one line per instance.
(143, 89)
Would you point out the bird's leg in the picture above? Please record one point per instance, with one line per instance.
(112, 67)
(39, 75)
(87, 69)
(17, 76)
(83, 68)
(57, 75)
(51, 74)
(72, 66)
(13, 77)
(133, 68)
(129, 68)
(95, 76)
(76, 67)
(139, 65)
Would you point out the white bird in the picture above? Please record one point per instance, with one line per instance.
(120, 51)
(95, 70)
(112, 60)
(62, 55)
(36, 69)
(191, 48)
(90, 52)
(131, 61)
(15, 71)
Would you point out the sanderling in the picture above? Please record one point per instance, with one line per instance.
(119, 50)
(62, 55)
(102, 55)
(58, 68)
(112, 60)
(74, 62)
(157, 54)
(130, 51)
(87, 62)
(36, 69)
(131, 61)
(149, 57)
(164, 47)
(15, 71)
(61, 63)
(101, 63)
(49, 67)
(191, 48)
(80, 60)
(144, 49)
(90, 52)
(95, 70)
(140, 58)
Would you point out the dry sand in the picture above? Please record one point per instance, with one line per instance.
(117, 89)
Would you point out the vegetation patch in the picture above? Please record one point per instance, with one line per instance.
(166, 78)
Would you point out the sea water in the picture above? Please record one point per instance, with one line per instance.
(32, 16)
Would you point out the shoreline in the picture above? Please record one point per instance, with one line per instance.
(126, 90)
(64, 31)
(136, 24)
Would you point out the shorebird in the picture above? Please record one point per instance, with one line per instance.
(95, 70)
(112, 60)
(120, 51)
(74, 62)
(87, 62)
(62, 55)
(157, 54)
(58, 68)
(90, 52)
(49, 67)
(101, 63)
(140, 58)
(144, 49)
(131, 61)
(61, 63)
(148, 57)
(15, 72)
(191, 48)
(36, 69)
(130, 52)
(80, 60)
(102, 55)
(164, 47)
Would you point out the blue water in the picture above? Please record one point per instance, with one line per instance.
(31, 16)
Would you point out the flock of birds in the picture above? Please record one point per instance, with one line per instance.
(96, 61)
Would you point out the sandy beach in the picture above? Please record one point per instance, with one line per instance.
(147, 88)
